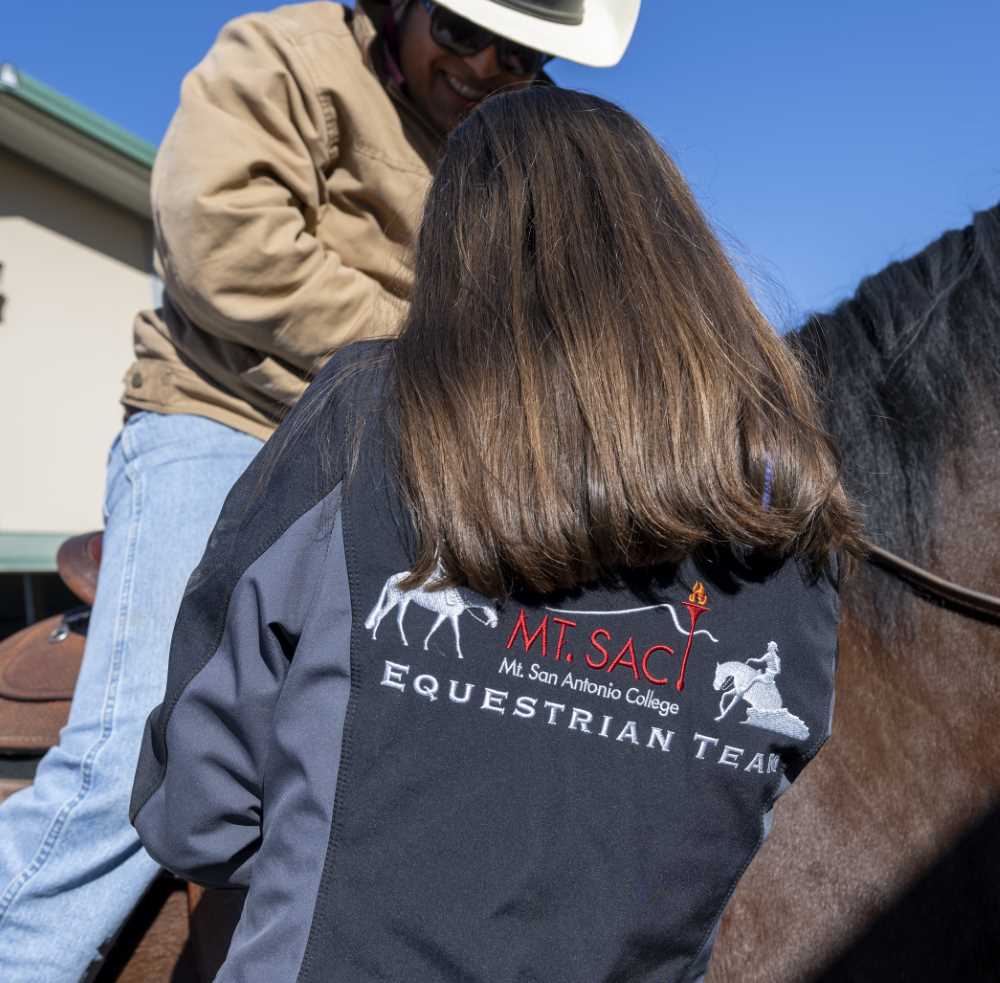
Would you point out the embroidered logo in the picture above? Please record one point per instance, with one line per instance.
(756, 687)
(547, 674)
(446, 604)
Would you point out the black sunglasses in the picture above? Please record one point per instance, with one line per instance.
(461, 37)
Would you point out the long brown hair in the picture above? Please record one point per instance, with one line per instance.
(583, 383)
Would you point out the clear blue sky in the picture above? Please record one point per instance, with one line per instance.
(823, 139)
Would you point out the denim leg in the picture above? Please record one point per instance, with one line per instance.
(71, 865)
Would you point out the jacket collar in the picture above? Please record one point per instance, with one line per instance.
(366, 20)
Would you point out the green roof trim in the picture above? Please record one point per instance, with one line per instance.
(52, 103)
(30, 552)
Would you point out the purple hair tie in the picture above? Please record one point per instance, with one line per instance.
(768, 480)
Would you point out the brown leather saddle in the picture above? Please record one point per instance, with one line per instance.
(40, 663)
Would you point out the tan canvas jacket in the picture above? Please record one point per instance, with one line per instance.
(286, 195)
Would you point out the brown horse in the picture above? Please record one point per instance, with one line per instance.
(884, 862)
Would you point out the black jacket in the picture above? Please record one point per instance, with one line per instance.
(425, 786)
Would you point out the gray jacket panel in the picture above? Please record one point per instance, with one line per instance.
(300, 780)
(203, 821)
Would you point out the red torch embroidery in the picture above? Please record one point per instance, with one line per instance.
(697, 605)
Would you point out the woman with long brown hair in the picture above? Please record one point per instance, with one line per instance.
(590, 455)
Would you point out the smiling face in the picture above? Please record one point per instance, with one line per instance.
(444, 85)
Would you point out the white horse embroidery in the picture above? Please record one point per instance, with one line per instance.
(739, 681)
(445, 603)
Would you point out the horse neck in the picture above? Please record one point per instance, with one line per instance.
(937, 507)
(907, 652)
(965, 531)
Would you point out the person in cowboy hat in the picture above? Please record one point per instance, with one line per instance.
(590, 33)
(286, 193)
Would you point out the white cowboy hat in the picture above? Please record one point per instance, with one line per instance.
(591, 32)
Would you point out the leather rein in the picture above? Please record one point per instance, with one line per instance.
(961, 599)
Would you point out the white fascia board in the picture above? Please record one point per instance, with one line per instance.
(59, 148)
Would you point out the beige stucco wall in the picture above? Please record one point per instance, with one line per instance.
(75, 270)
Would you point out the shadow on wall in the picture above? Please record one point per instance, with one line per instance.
(923, 936)
(36, 195)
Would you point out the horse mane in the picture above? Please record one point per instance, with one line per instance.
(906, 369)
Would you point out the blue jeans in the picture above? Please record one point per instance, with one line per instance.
(71, 865)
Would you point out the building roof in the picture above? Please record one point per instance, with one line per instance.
(52, 130)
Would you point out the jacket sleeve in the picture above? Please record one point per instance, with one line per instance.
(196, 800)
(237, 193)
